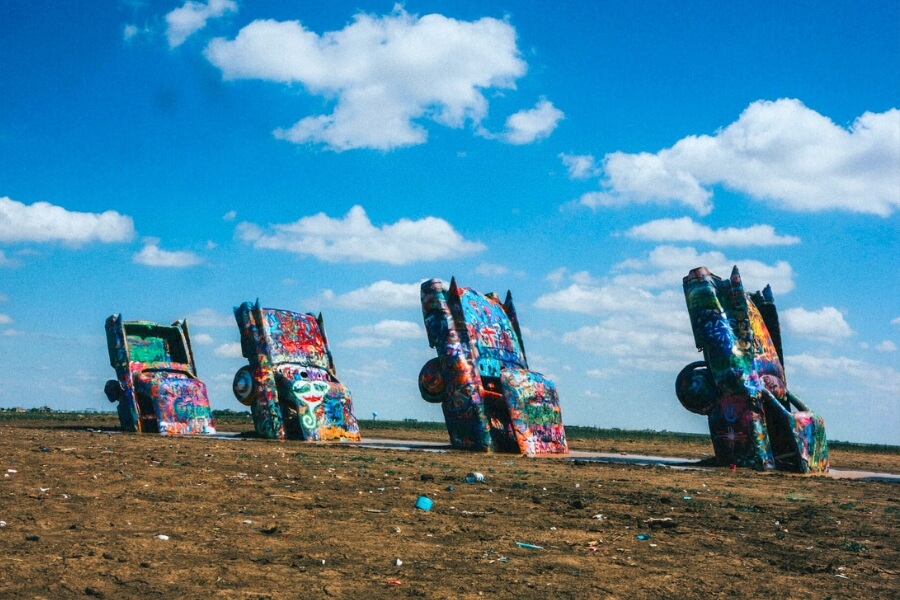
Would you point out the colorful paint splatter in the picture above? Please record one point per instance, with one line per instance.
(491, 401)
(290, 383)
(740, 385)
(156, 385)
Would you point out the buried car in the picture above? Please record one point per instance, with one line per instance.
(754, 421)
(156, 385)
(290, 384)
(491, 401)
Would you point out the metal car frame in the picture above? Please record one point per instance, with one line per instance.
(491, 401)
(156, 385)
(754, 421)
(290, 383)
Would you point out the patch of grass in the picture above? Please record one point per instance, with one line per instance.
(855, 547)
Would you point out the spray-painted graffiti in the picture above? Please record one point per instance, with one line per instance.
(490, 400)
(290, 384)
(156, 385)
(754, 421)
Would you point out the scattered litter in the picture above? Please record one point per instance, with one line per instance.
(2, 523)
(162, 537)
(841, 575)
(529, 546)
(397, 562)
(449, 488)
(598, 517)
(664, 523)
(643, 536)
(12, 471)
(32, 538)
(375, 510)
(474, 477)
(247, 521)
(424, 503)
(396, 530)
(394, 582)
(686, 498)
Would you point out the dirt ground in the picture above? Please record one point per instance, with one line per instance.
(112, 515)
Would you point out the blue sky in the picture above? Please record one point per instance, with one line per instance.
(170, 160)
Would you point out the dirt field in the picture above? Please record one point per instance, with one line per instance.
(113, 515)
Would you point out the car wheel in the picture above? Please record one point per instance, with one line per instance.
(431, 382)
(243, 386)
(113, 390)
(695, 388)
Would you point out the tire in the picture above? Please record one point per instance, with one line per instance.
(695, 388)
(431, 382)
(244, 386)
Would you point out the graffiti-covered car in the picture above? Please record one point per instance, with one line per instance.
(290, 382)
(156, 385)
(491, 401)
(740, 384)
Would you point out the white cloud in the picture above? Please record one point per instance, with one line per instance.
(491, 270)
(390, 328)
(580, 166)
(666, 266)
(210, 317)
(230, 350)
(6, 261)
(190, 18)
(5, 319)
(886, 346)
(354, 239)
(230, 215)
(843, 370)
(527, 126)
(45, 222)
(781, 152)
(385, 74)
(826, 324)
(895, 321)
(202, 339)
(381, 334)
(686, 229)
(644, 324)
(381, 295)
(152, 255)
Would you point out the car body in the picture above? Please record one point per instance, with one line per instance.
(156, 385)
(290, 382)
(491, 401)
(754, 421)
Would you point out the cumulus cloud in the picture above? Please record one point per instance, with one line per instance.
(230, 350)
(686, 229)
(826, 324)
(886, 346)
(385, 74)
(381, 295)
(643, 322)
(355, 239)
(210, 317)
(665, 266)
(843, 371)
(781, 152)
(5, 319)
(190, 18)
(580, 166)
(202, 339)
(527, 126)
(152, 255)
(895, 321)
(45, 222)
(382, 334)
(491, 270)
